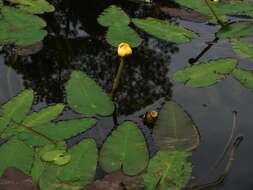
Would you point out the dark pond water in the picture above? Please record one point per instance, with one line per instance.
(76, 41)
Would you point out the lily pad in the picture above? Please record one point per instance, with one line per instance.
(203, 75)
(20, 27)
(236, 30)
(168, 170)
(117, 22)
(86, 97)
(17, 154)
(16, 109)
(125, 149)
(76, 174)
(244, 49)
(34, 6)
(122, 33)
(59, 131)
(220, 7)
(175, 129)
(244, 77)
(165, 30)
(113, 15)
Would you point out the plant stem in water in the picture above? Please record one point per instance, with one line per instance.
(214, 13)
(117, 78)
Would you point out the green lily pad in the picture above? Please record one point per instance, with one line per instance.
(86, 97)
(34, 6)
(236, 30)
(113, 15)
(118, 31)
(52, 155)
(16, 109)
(203, 75)
(117, 34)
(17, 154)
(20, 27)
(125, 148)
(165, 30)
(175, 129)
(221, 8)
(244, 77)
(244, 49)
(168, 170)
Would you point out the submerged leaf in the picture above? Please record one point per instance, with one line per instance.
(34, 6)
(17, 154)
(20, 27)
(14, 179)
(168, 170)
(117, 181)
(236, 30)
(203, 75)
(125, 148)
(244, 77)
(244, 49)
(165, 30)
(86, 97)
(175, 129)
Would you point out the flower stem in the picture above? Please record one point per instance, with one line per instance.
(214, 13)
(117, 78)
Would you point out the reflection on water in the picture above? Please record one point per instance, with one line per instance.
(76, 41)
(144, 81)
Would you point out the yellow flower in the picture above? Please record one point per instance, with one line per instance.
(124, 49)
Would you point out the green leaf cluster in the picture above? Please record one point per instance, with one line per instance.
(45, 156)
(118, 31)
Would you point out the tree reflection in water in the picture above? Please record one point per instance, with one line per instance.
(76, 41)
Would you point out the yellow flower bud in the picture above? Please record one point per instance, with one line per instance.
(124, 50)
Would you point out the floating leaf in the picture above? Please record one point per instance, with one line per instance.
(168, 170)
(236, 30)
(165, 30)
(113, 15)
(118, 30)
(58, 131)
(34, 6)
(220, 8)
(79, 172)
(44, 116)
(117, 34)
(244, 49)
(20, 27)
(86, 97)
(16, 109)
(126, 149)
(244, 77)
(15, 153)
(175, 129)
(203, 75)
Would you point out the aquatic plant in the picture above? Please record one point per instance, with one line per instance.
(19, 23)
